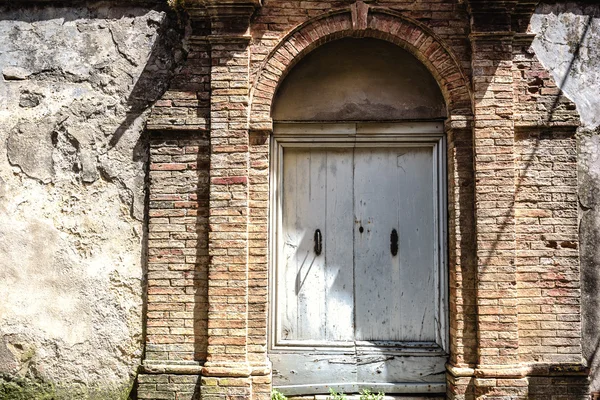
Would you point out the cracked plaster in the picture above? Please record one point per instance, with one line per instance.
(75, 89)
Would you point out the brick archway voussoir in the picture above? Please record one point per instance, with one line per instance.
(381, 24)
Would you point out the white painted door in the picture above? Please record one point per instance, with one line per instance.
(357, 272)
(393, 191)
(316, 290)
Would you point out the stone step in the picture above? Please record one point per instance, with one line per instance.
(387, 397)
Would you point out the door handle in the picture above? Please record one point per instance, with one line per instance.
(394, 242)
(318, 242)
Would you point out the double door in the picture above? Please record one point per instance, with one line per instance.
(357, 278)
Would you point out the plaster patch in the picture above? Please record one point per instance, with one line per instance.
(567, 43)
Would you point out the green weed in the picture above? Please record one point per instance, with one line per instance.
(366, 394)
(277, 395)
(335, 395)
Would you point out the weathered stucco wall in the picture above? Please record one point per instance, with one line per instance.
(75, 88)
(75, 91)
(568, 45)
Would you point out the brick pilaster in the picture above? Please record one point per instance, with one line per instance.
(494, 163)
(176, 330)
(461, 245)
(177, 264)
(227, 372)
(228, 208)
(258, 266)
(498, 372)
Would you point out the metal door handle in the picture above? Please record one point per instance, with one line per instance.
(394, 242)
(318, 242)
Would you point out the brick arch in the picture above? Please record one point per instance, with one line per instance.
(376, 23)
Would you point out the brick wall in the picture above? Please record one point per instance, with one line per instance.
(547, 253)
(177, 280)
(513, 251)
(169, 387)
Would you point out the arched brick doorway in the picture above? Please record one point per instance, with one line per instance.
(349, 315)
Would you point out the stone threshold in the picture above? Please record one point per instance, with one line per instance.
(357, 397)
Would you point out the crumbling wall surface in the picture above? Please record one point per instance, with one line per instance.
(76, 84)
(568, 45)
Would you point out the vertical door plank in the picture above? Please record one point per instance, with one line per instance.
(379, 304)
(310, 214)
(289, 240)
(395, 295)
(417, 235)
(339, 282)
(300, 288)
(315, 293)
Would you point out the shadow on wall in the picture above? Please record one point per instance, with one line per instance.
(559, 288)
(202, 260)
(567, 44)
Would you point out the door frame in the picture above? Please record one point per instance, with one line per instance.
(351, 135)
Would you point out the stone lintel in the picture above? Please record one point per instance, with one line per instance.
(518, 371)
(261, 126)
(232, 370)
(496, 36)
(171, 367)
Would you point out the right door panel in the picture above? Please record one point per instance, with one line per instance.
(394, 294)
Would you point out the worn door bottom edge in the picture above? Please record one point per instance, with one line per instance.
(355, 387)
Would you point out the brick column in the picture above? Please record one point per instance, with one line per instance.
(228, 209)
(177, 265)
(494, 166)
(258, 265)
(227, 371)
(498, 371)
(462, 264)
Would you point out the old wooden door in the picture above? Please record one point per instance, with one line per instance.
(357, 280)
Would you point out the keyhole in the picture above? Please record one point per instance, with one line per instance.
(361, 229)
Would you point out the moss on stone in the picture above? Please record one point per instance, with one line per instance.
(12, 388)
(16, 388)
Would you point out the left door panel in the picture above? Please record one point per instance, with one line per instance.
(315, 297)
